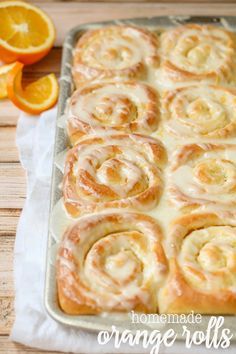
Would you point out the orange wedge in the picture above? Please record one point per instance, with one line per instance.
(4, 70)
(26, 32)
(34, 98)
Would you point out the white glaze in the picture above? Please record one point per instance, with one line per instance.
(165, 211)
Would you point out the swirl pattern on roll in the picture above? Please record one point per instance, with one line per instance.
(202, 266)
(122, 52)
(113, 171)
(114, 106)
(206, 111)
(111, 262)
(204, 174)
(194, 52)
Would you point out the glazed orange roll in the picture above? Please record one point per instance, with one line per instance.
(202, 261)
(111, 262)
(114, 106)
(200, 111)
(122, 52)
(198, 52)
(114, 171)
(204, 174)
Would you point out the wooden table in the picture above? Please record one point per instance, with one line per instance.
(12, 177)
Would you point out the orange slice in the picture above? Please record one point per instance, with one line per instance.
(34, 98)
(4, 70)
(26, 32)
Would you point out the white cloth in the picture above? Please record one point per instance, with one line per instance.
(33, 326)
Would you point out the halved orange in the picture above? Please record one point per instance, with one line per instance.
(26, 32)
(4, 70)
(36, 97)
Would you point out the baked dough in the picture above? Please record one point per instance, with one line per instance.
(198, 52)
(112, 258)
(113, 171)
(121, 52)
(111, 262)
(200, 111)
(113, 106)
(204, 175)
(202, 261)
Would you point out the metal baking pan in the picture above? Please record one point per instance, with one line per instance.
(91, 322)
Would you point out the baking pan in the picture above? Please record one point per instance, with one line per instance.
(104, 322)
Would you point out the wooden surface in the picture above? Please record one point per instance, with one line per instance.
(143, 1)
(12, 177)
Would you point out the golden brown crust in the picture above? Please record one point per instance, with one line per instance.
(200, 111)
(203, 174)
(112, 258)
(190, 152)
(114, 52)
(202, 264)
(197, 52)
(114, 171)
(130, 107)
(102, 264)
